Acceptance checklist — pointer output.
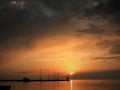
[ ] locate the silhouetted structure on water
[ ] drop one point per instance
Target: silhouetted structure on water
(5, 87)
(25, 79)
(67, 79)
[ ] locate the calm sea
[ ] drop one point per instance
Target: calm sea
(64, 85)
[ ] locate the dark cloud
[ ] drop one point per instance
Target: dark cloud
(92, 30)
(102, 11)
(115, 49)
(109, 10)
(17, 22)
(108, 74)
(112, 45)
(108, 58)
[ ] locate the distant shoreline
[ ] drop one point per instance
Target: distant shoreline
(51, 80)
(30, 80)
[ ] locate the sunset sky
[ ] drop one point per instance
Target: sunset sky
(69, 36)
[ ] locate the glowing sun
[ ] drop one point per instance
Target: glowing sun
(71, 73)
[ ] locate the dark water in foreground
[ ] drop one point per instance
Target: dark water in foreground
(64, 85)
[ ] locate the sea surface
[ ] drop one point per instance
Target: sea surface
(66, 85)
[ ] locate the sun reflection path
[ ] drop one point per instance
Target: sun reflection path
(71, 86)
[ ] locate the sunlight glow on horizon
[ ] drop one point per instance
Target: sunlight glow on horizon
(71, 73)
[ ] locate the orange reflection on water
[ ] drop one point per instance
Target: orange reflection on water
(71, 85)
